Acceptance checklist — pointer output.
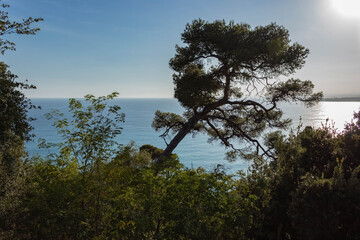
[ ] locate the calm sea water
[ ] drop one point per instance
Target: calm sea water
(193, 152)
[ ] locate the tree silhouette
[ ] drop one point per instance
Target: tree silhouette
(227, 77)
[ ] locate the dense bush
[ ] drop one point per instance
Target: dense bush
(94, 188)
(327, 208)
(308, 162)
(14, 131)
(131, 202)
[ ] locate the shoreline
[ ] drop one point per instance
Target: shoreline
(341, 99)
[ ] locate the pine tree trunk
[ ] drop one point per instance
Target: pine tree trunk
(178, 138)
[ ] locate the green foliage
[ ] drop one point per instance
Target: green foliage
(10, 27)
(253, 190)
(174, 121)
(350, 147)
(327, 208)
(128, 156)
(53, 201)
(72, 182)
(14, 128)
(218, 70)
(14, 106)
(118, 195)
(194, 205)
(131, 202)
(309, 184)
(12, 188)
(170, 162)
(94, 188)
(14, 123)
(294, 90)
(306, 193)
(193, 87)
(89, 137)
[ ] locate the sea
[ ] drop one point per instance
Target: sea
(194, 151)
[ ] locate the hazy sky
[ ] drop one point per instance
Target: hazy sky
(88, 46)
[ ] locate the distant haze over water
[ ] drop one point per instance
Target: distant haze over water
(193, 152)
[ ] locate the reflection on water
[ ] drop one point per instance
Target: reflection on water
(337, 112)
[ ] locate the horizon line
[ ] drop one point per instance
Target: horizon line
(95, 96)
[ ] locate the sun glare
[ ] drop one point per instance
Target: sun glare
(350, 8)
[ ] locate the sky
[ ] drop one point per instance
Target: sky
(98, 47)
